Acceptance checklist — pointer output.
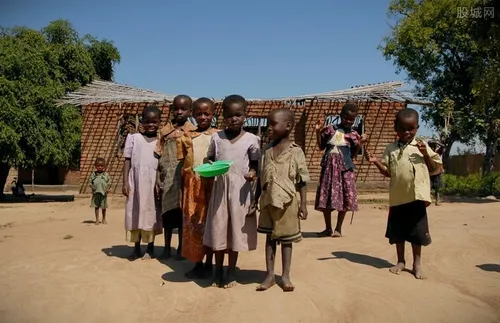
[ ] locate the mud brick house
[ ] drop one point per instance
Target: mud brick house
(111, 111)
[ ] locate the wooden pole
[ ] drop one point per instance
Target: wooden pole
(33, 181)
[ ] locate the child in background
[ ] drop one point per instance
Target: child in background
(169, 171)
(337, 183)
(142, 221)
(283, 173)
(408, 162)
(100, 183)
(196, 191)
(437, 175)
(232, 224)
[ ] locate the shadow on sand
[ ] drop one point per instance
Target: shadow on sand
(490, 267)
(37, 198)
(179, 268)
(360, 259)
(472, 200)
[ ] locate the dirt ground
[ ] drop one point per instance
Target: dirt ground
(86, 278)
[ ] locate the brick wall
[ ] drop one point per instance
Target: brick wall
(101, 127)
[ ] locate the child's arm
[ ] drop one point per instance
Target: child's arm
(359, 142)
(127, 154)
(254, 157)
(303, 200)
(302, 178)
(108, 184)
(381, 167)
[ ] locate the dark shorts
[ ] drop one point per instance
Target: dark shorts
(408, 222)
(172, 219)
(436, 182)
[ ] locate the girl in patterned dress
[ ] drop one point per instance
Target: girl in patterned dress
(337, 183)
(192, 150)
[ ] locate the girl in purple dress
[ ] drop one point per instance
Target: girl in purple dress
(337, 183)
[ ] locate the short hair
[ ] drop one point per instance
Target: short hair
(405, 113)
(349, 108)
(182, 96)
(203, 100)
(100, 160)
(151, 109)
(232, 99)
(287, 112)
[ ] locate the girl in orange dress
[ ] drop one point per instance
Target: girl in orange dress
(193, 148)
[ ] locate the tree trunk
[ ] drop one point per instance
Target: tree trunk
(448, 144)
(491, 147)
(4, 173)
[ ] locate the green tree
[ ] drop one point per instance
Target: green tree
(439, 50)
(37, 68)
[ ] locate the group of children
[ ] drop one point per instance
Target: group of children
(219, 216)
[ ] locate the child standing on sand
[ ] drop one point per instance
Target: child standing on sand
(337, 183)
(437, 175)
(284, 172)
(196, 191)
(100, 183)
(408, 162)
(169, 171)
(142, 220)
(231, 223)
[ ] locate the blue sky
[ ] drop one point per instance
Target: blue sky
(260, 49)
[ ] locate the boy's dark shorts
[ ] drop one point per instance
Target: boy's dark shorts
(172, 219)
(408, 222)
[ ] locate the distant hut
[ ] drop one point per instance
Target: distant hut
(111, 111)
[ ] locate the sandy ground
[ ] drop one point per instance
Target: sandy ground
(46, 278)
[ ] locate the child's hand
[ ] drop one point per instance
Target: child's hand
(363, 139)
(126, 189)
(422, 148)
(303, 211)
(251, 176)
(319, 124)
(253, 210)
(369, 157)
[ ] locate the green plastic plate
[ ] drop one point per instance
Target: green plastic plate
(217, 168)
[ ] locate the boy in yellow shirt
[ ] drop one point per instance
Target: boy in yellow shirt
(408, 162)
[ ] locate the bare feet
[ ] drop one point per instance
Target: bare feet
(336, 234)
(417, 272)
(104, 222)
(146, 256)
(400, 266)
(97, 222)
(287, 284)
(136, 254)
(325, 233)
(266, 284)
(218, 278)
(231, 280)
(167, 253)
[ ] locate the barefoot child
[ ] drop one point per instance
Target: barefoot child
(283, 173)
(407, 162)
(169, 171)
(142, 220)
(196, 191)
(337, 183)
(100, 183)
(231, 224)
(437, 175)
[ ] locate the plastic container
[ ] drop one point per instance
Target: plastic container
(217, 168)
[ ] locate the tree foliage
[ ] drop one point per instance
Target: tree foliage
(36, 68)
(453, 60)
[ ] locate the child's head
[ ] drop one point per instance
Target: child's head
(406, 124)
(181, 108)
(150, 120)
(281, 122)
(348, 115)
(436, 146)
(203, 112)
(234, 108)
(100, 164)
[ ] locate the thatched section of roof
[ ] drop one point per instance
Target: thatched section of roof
(109, 92)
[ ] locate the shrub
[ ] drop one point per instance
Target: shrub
(472, 185)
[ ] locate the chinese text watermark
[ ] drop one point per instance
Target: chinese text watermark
(476, 12)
